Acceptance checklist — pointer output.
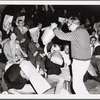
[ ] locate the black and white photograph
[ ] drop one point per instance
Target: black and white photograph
(49, 49)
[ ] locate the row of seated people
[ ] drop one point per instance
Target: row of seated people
(94, 72)
(17, 77)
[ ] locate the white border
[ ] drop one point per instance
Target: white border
(46, 96)
(19, 2)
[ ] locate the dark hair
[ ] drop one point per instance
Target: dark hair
(12, 32)
(63, 46)
(74, 20)
(20, 21)
(93, 37)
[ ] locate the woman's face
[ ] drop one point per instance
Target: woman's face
(13, 37)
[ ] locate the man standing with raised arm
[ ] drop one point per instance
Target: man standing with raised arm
(80, 50)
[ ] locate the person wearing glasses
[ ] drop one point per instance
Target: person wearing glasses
(80, 51)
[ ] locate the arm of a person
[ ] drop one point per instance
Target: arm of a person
(4, 41)
(23, 53)
(6, 50)
(64, 36)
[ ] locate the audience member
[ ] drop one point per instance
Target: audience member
(54, 70)
(21, 31)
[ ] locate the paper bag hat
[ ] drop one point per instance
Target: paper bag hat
(7, 20)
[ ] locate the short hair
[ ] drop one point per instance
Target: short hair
(12, 32)
(74, 20)
(20, 21)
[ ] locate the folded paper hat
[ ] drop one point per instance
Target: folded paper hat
(61, 19)
(33, 30)
(7, 20)
(20, 18)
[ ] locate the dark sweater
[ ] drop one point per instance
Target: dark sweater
(53, 68)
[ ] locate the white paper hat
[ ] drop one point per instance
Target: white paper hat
(7, 19)
(34, 31)
(20, 18)
(61, 19)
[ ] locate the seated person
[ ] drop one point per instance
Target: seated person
(67, 61)
(15, 55)
(93, 43)
(54, 70)
(16, 80)
(95, 60)
(35, 53)
(3, 60)
(21, 32)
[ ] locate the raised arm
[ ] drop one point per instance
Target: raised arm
(64, 36)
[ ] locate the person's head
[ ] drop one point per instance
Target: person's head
(13, 36)
(93, 40)
(20, 23)
(73, 23)
(39, 25)
(55, 47)
(35, 38)
(66, 48)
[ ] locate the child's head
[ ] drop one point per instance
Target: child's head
(55, 47)
(35, 38)
(39, 25)
(66, 48)
(20, 23)
(93, 40)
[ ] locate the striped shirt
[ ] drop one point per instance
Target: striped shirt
(80, 42)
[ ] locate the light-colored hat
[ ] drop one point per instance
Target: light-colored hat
(20, 18)
(61, 19)
(7, 20)
(34, 31)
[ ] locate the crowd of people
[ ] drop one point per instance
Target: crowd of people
(55, 48)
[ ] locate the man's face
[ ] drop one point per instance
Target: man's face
(21, 23)
(92, 41)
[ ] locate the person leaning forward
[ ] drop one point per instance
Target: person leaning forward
(80, 50)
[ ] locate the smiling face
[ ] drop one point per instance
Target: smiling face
(20, 23)
(93, 40)
(66, 49)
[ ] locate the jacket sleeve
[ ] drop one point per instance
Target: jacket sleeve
(65, 36)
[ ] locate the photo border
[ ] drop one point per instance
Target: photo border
(52, 2)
